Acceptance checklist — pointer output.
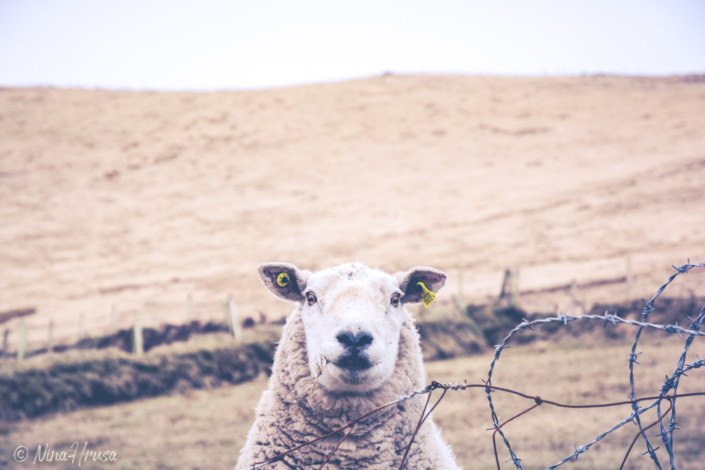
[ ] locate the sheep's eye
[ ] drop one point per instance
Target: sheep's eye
(395, 300)
(311, 297)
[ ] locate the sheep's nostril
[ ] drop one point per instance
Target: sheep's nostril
(355, 341)
(364, 340)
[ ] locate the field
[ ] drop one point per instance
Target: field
(206, 429)
(117, 205)
(136, 200)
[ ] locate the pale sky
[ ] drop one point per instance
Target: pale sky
(217, 44)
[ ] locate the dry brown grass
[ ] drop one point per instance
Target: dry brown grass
(206, 429)
(126, 198)
(573, 376)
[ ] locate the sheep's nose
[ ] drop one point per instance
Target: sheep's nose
(351, 340)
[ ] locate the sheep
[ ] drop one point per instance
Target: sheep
(349, 346)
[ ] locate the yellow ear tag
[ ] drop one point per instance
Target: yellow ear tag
(427, 296)
(283, 280)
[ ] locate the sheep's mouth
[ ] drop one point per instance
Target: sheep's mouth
(353, 363)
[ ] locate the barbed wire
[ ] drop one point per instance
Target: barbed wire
(667, 436)
(671, 384)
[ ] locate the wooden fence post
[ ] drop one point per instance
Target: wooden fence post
(460, 286)
(137, 333)
(4, 342)
(504, 292)
(233, 320)
(573, 296)
(80, 326)
(113, 319)
(226, 312)
(515, 287)
(629, 278)
(50, 339)
(22, 346)
(509, 295)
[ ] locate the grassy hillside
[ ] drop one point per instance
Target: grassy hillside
(138, 199)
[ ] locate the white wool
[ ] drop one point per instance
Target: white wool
(309, 395)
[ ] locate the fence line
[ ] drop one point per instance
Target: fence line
(103, 322)
(671, 384)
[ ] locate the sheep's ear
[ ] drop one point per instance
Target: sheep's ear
(284, 280)
(432, 280)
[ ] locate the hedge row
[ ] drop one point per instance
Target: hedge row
(78, 378)
(83, 381)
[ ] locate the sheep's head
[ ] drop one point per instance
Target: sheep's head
(352, 316)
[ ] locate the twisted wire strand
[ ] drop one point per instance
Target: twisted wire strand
(648, 308)
(666, 436)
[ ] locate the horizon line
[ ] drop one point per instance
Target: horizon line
(147, 89)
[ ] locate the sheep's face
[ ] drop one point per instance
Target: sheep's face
(352, 316)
